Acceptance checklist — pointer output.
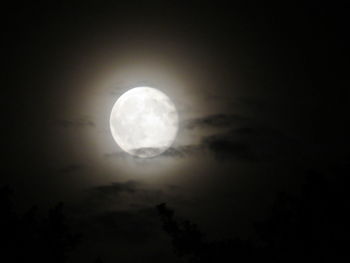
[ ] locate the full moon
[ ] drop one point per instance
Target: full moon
(144, 122)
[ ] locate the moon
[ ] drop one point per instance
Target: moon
(144, 122)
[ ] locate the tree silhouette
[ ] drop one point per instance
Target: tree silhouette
(306, 227)
(189, 243)
(30, 238)
(309, 226)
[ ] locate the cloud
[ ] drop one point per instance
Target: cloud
(181, 151)
(216, 121)
(225, 146)
(234, 138)
(252, 144)
(147, 151)
(238, 137)
(137, 153)
(111, 192)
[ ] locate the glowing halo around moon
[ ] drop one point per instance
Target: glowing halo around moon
(144, 122)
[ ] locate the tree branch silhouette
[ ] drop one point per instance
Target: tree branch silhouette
(27, 237)
(305, 227)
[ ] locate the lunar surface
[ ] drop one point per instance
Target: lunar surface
(144, 122)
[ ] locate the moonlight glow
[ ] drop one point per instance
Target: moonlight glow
(144, 122)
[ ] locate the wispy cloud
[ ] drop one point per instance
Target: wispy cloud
(252, 144)
(226, 146)
(112, 191)
(234, 137)
(216, 121)
(181, 151)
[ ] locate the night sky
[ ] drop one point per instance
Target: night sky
(262, 93)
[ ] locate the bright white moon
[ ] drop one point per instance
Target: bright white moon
(144, 122)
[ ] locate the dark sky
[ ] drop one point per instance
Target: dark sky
(261, 91)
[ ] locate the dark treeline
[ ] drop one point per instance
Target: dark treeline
(309, 226)
(28, 237)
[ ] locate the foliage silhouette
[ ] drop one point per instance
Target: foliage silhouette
(189, 243)
(306, 227)
(30, 238)
(310, 226)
